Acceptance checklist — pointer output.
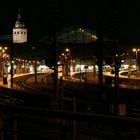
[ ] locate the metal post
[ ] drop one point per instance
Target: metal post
(80, 71)
(116, 107)
(61, 85)
(11, 61)
(55, 69)
(15, 129)
(100, 54)
(137, 66)
(35, 64)
(11, 74)
(116, 80)
(1, 126)
(74, 129)
(35, 68)
(129, 68)
(69, 63)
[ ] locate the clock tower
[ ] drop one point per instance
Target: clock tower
(19, 31)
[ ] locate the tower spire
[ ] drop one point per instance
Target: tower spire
(19, 22)
(19, 15)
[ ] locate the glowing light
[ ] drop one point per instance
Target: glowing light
(67, 50)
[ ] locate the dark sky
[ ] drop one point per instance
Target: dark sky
(41, 16)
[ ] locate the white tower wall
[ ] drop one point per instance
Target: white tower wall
(19, 35)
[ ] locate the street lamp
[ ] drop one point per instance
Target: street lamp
(65, 59)
(4, 68)
(35, 64)
(62, 63)
(136, 50)
(68, 60)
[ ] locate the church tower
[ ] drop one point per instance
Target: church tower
(19, 31)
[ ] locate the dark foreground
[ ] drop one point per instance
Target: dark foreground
(20, 123)
(80, 112)
(82, 117)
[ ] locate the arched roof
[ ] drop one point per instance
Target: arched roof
(76, 35)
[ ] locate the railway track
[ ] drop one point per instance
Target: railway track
(25, 93)
(83, 129)
(87, 94)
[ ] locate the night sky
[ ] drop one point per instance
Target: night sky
(41, 16)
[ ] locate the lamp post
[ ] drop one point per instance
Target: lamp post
(136, 50)
(35, 65)
(63, 66)
(4, 69)
(11, 65)
(68, 60)
(129, 67)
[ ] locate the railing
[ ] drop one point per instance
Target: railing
(20, 123)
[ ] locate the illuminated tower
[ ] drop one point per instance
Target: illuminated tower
(19, 31)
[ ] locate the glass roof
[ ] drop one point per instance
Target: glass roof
(77, 35)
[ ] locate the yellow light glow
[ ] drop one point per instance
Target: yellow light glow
(134, 50)
(82, 31)
(67, 50)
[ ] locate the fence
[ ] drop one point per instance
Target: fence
(20, 123)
